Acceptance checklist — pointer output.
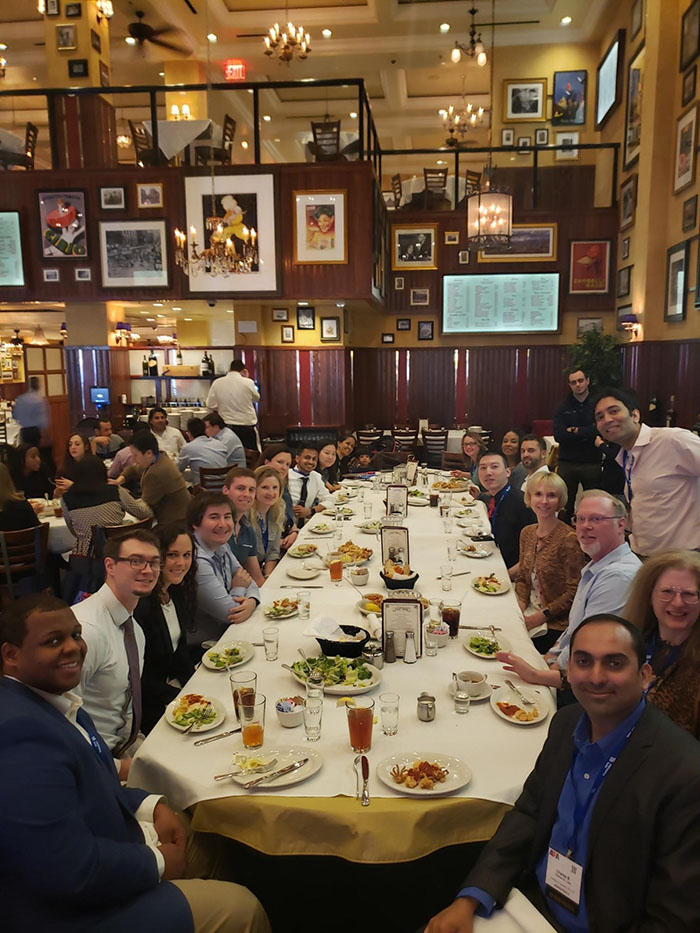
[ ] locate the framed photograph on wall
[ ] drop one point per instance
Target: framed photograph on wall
(134, 254)
(52, 8)
(149, 195)
(624, 282)
(686, 141)
(320, 227)
(65, 38)
(633, 114)
(524, 101)
(420, 296)
(524, 142)
(637, 18)
(426, 330)
(584, 324)
(569, 97)
(330, 328)
(72, 10)
(628, 201)
(451, 237)
(95, 40)
(287, 333)
(77, 68)
(387, 338)
(414, 247)
(690, 34)
(463, 257)
(398, 283)
(542, 137)
(403, 323)
(608, 85)
(104, 74)
(63, 224)
(589, 267)
(306, 317)
(689, 85)
(625, 248)
(528, 243)
(83, 274)
(569, 141)
(508, 136)
(51, 275)
(690, 213)
(113, 198)
(676, 281)
(280, 314)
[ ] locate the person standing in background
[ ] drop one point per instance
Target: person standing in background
(234, 396)
(31, 411)
(575, 432)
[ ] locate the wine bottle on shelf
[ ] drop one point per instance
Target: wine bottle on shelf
(671, 417)
(211, 365)
(152, 364)
(204, 365)
(144, 365)
(178, 356)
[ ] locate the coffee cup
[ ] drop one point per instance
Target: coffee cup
(471, 682)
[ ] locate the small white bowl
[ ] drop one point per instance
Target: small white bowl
(290, 719)
(359, 576)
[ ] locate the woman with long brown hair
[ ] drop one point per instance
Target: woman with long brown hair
(665, 604)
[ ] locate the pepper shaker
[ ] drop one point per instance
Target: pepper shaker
(389, 648)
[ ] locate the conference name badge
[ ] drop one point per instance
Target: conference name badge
(563, 880)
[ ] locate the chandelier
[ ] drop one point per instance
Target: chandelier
(3, 66)
(224, 255)
(287, 42)
(474, 48)
(458, 121)
(489, 207)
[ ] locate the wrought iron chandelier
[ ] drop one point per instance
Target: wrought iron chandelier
(459, 120)
(474, 48)
(287, 42)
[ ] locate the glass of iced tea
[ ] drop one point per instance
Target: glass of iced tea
(243, 687)
(360, 720)
(450, 615)
(335, 566)
(252, 716)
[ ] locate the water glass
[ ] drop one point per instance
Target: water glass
(462, 701)
(446, 574)
(452, 551)
(430, 641)
(338, 530)
(252, 717)
(271, 638)
(244, 685)
(435, 610)
(314, 685)
(304, 604)
(447, 523)
(313, 714)
(361, 494)
(389, 708)
(368, 511)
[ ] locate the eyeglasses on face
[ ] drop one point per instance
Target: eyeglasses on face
(140, 563)
(593, 519)
(668, 593)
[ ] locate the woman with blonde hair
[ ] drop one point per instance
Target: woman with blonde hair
(550, 563)
(267, 517)
(664, 603)
(473, 446)
(15, 512)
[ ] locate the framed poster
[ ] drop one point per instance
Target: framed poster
(624, 282)
(589, 267)
(65, 38)
(403, 323)
(420, 296)
(400, 616)
(133, 253)
(63, 224)
(414, 247)
(633, 114)
(52, 8)
(529, 243)
(11, 266)
(243, 203)
(149, 195)
(628, 201)
(426, 330)
(72, 10)
(287, 335)
(95, 40)
(330, 328)
(306, 317)
(320, 227)
(397, 500)
(686, 141)
(524, 101)
(394, 541)
(676, 281)
(77, 68)
(689, 85)
(104, 74)
(690, 34)
(608, 85)
(690, 213)
(569, 97)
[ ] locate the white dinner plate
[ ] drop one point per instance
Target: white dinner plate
(457, 486)
(287, 614)
(365, 612)
(344, 510)
(321, 529)
(484, 694)
(284, 758)
(302, 572)
(503, 644)
(506, 695)
(459, 773)
(294, 552)
(418, 500)
(352, 482)
(504, 587)
(217, 706)
(347, 690)
(478, 553)
(246, 649)
(370, 528)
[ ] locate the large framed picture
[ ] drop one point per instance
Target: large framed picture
(586, 324)
(63, 224)
(65, 38)
(633, 115)
(589, 267)
(686, 141)
(414, 247)
(320, 227)
(676, 281)
(608, 92)
(569, 98)
(528, 243)
(690, 34)
(628, 201)
(133, 254)
(244, 203)
(306, 317)
(524, 101)
(11, 266)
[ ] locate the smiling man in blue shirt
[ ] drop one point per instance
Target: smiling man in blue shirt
(605, 836)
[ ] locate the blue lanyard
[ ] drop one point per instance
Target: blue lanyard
(626, 456)
(581, 809)
(497, 505)
(265, 532)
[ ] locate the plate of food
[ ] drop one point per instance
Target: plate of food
(342, 676)
(467, 500)
(472, 550)
(450, 485)
(491, 585)
(352, 483)
(231, 655)
(282, 608)
(353, 555)
(417, 497)
(370, 603)
(323, 528)
(509, 706)
(485, 645)
(302, 571)
(303, 550)
(424, 774)
(370, 528)
(202, 713)
(247, 767)
(343, 510)
(463, 513)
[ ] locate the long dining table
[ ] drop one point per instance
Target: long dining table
(321, 815)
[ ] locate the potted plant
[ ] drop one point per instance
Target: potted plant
(599, 356)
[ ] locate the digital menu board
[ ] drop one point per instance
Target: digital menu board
(500, 304)
(11, 270)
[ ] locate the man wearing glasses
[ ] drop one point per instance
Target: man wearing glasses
(600, 521)
(111, 678)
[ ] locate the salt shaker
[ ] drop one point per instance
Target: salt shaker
(389, 648)
(409, 651)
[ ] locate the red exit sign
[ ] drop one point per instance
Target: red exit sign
(234, 69)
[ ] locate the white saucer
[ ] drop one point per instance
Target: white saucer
(486, 691)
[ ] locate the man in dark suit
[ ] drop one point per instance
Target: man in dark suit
(79, 852)
(605, 836)
(506, 507)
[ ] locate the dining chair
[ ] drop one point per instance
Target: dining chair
(143, 146)
(451, 460)
(435, 180)
(397, 189)
(251, 457)
(326, 143)
(23, 561)
(22, 159)
(211, 479)
(473, 180)
(223, 154)
(434, 444)
(369, 437)
(405, 437)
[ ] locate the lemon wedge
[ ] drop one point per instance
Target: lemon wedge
(345, 701)
(372, 607)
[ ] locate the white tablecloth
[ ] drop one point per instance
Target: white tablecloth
(175, 135)
(305, 140)
(416, 185)
(10, 142)
(500, 754)
(61, 541)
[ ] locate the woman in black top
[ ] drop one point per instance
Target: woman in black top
(164, 616)
(77, 447)
(29, 474)
(15, 512)
(344, 449)
(328, 466)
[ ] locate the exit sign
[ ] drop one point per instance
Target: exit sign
(234, 69)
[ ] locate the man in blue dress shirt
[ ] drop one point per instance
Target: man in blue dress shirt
(605, 836)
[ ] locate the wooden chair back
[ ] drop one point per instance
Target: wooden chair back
(251, 457)
(368, 437)
(405, 438)
(434, 444)
(228, 133)
(473, 180)
(451, 460)
(143, 147)
(326, 145)
(30, 137)
(435, 179)
(211, 479)
(397, 189)
(22, 553)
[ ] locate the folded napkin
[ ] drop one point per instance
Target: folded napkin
(328, 628)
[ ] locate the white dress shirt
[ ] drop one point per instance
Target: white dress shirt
(104, 685)
(233, 396)
(170, 441)
(543, 469)
(315, 488)
(663, 469)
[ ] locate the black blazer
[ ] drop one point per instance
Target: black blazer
(16, 515)
(513, 515)
(643, 863)
(160, 662)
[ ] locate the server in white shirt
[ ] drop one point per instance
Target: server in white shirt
(215, 427)
(306, 486)
(111, 679)
(170, 440)
(234, 396)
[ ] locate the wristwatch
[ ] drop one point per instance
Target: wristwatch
(547, 613)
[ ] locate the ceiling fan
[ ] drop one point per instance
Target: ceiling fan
(142, 32)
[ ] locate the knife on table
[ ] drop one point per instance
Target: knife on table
(295, 765)
(221, 735)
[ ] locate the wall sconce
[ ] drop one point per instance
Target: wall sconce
(122, 333)
(630, 323)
